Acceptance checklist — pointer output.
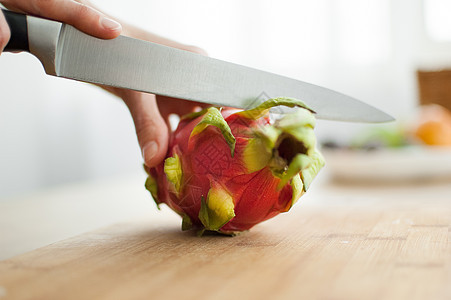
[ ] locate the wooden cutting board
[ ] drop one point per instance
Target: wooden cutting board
(376, 244)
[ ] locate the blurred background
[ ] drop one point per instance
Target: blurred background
(55, 131)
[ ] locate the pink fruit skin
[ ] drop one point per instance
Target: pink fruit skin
(207, 156)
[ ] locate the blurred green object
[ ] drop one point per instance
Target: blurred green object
(389, 136)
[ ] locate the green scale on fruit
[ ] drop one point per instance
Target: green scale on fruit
(228, 170)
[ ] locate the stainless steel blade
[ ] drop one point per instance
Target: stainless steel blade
(144, 66)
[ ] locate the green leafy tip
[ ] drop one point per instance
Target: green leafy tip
(194, 115)
(152, 186)
(262, 109)
(174, 173)
(187, 224)
(317, 162)
(217, 209)
(214, 117)
(298, 189)
(297, 164)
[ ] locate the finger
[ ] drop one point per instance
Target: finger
(4, 32)
(151, 129)
(12, 7)
(138, 33)
(81, 16)
(169, 105)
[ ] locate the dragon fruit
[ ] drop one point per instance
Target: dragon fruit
(227, 170)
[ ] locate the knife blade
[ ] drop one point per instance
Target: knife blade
(148, 67)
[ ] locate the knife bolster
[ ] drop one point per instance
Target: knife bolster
(43, 37)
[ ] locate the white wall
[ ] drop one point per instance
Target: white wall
(55, 131)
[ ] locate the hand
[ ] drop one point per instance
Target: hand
(150, 113)
(76, 13)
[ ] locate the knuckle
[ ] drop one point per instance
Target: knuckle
(145, 126)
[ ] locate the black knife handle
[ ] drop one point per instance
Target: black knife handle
(19, 31)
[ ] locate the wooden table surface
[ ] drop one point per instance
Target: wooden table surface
(338, 242)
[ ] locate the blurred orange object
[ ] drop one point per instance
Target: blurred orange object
(433, 126)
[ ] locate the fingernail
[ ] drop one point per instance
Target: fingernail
(149, 151)
(110, 24)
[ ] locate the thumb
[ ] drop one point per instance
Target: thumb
(151, 129)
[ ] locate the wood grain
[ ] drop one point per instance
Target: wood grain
(364, 244)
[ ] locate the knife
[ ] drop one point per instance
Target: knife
(148, 67)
